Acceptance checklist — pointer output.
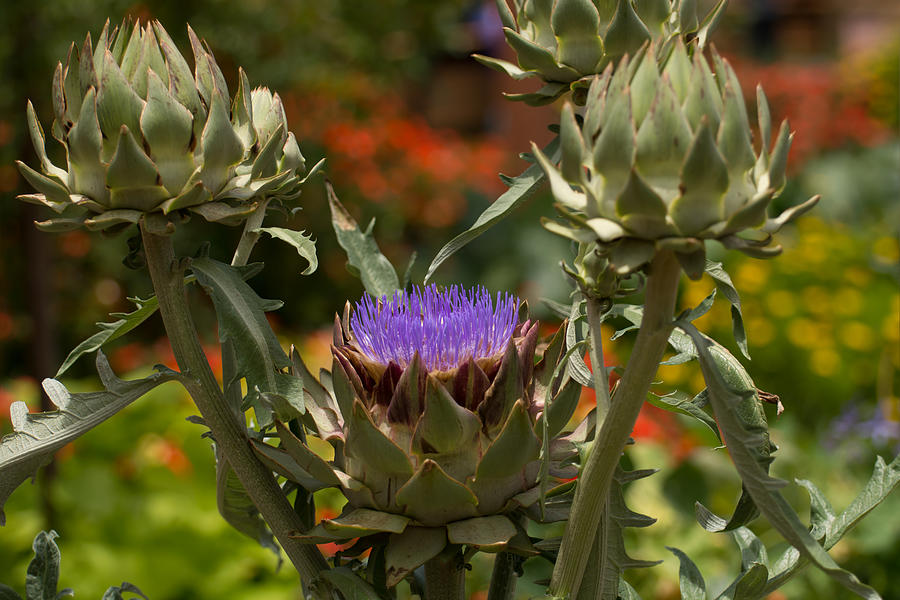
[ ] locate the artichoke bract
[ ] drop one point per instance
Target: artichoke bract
(564, 41)
(663, 159)
(437, 422)
(143, 134)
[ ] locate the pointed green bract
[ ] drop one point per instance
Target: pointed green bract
(565, 42)
(671, 163)
(182, 128)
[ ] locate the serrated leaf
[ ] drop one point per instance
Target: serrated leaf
(304, 244)
(116, 329)
(884, 480)
(37, 436)
(520, 188)
(364, 257)
(42, 575)
(685, 405)
(116, 592)
(242, 319)
(726, 287)
(7, 593)
(743, 448)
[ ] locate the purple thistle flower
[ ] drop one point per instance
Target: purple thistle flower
(446, 327)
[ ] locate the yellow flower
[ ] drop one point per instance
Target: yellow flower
(780, 303)
(751, 276)
(802, 333)
(760, 331)
(857, 336)
(824, 361)
(848, 301)
(817, 301)
(857, 276)
(886, 250)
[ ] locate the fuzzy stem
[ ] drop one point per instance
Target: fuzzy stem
(504, 577)
(601, 377)
(445, 578)
(229, 433)
(594, 482)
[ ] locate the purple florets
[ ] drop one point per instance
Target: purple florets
(446, 327)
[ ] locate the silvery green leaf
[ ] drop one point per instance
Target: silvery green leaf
(521, 187)
(884, 480)
(261, 360)
(117, 592)
(686, 405)
(364, 258)
(726, 286)
(110, 331)
(42, 576)
(37, 436)
(304, 244)
(743, 446)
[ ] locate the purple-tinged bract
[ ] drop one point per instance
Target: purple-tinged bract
(446, 327)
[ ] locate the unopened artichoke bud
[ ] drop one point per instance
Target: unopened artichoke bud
(594, 275)
(436, 417)
(664, 159)
(565, 41)
(144, 134)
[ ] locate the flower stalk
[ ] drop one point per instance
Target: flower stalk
(230, 435)
(595, 480)
(504, 577)
(445, 577)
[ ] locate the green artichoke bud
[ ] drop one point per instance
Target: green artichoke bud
(437, 420)
(144, 135)
(565, 41)
(663, 159)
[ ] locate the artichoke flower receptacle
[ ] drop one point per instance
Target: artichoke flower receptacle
(564, 42)
(143, 134)
(436, 397)
(663, 159)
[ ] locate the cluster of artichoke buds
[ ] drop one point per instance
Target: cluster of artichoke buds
(664, 159)
(565, 41)
(145, 136)
(436, 412)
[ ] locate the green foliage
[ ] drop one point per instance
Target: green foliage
(36, 437)
(364, 259)
(520, 188)
(42, 576)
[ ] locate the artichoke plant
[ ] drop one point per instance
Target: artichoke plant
(437, 419)
(664, 159)
(565, 41)
(144, 135)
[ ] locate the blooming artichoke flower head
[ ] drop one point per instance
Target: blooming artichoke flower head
(144, 134)
(435, 396)
(664, 159)
(563, 42)
(442, 374)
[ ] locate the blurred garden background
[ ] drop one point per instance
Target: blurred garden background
(415, 132)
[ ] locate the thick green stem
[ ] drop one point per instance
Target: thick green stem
(445, 577)
(601, 378)
(595, 479)
(504, 577)
(230, 434)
